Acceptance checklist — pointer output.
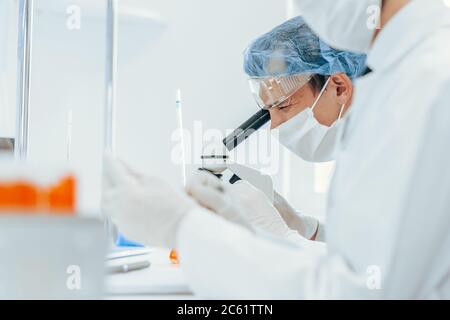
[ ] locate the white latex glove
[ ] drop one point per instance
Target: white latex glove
(144, 208)
(260, 211)
(215, 195)
(240, 203)
(307, 226)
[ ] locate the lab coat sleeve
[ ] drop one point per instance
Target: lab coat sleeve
(320, 235)
(314, 227)
(307, 226)
(294, 239)
(225, 261)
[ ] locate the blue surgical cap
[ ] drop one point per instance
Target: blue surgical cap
(292, 48)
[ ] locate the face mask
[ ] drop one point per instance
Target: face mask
(344, 24)
(309, 139)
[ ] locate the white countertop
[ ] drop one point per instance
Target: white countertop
(162, 280)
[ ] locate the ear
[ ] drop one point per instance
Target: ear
(343, 88)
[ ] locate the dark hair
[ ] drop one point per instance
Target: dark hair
(317, 82)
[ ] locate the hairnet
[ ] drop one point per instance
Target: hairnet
(292, 48)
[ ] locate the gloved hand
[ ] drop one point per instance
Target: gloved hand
(305, 225)
(240, 203)
(213, 194)
(144, 208)
(260, 211)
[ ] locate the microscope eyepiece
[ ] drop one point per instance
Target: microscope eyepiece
(246, 129)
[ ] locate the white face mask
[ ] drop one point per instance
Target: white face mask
(309, 139)
(343, 24)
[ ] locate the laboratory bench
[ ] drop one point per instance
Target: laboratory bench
(162, 280)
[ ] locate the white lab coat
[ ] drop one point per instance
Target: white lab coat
(388, 227)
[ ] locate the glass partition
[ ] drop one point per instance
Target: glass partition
(68, 92)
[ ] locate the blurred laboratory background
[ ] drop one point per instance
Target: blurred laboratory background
(163, 46)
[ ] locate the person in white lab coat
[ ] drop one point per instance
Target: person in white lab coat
(388, 218)
(307, 87)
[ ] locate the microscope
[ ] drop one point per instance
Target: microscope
(218, 161)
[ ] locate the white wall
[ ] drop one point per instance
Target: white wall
(198, 48)
(68, 74)
(200, 51)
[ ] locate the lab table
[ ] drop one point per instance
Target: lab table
(162, 280)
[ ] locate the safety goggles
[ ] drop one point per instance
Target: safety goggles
(272, 91)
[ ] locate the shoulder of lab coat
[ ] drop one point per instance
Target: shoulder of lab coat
(397, 215)
(423, 239)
